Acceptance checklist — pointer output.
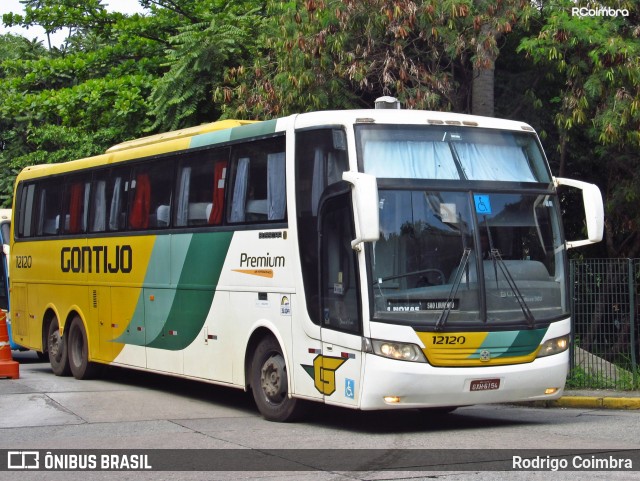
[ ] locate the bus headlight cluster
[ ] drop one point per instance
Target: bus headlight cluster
(554, 346)
(398, 350)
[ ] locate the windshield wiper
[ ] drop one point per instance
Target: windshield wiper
(444, 315)
(494, 255)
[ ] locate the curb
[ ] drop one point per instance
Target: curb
(592, 402)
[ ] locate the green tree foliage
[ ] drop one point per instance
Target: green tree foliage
(116, 77)
(595, 61)
(344, 53)
(77, 99)
(219, 37)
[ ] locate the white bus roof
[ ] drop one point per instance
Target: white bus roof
(401, 116)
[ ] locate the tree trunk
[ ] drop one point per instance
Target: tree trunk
(482, 91)
(483, 73)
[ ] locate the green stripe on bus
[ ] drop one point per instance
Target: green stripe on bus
(254, 130)
(202, 267)
(510, 343)
(210, 138)
(525, 342)
(235, 133)
(173, 317)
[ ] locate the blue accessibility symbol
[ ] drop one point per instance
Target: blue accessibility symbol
(349, 388)
(483, 203)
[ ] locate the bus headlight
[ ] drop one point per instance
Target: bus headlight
(398, 350)
(554, 346)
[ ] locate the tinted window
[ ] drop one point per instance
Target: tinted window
(200, 189)
(258, 182)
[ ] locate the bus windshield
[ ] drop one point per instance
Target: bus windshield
(463, 256)
(450, 153)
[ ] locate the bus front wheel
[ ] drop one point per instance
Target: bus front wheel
(57, 349)
(270, 384)
(78, 348)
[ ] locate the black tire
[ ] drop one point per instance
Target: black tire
(78, 350)
(269, 384)
(57, 349)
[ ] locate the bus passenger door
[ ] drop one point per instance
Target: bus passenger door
(339, 376)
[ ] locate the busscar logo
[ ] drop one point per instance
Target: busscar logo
(23, 460)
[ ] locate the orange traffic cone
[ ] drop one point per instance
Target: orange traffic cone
(8, 367)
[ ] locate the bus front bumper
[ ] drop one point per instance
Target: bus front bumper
(392, 384)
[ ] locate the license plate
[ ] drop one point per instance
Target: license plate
(485, 385)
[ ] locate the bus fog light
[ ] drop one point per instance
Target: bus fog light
(392, 399)
(554, 346)
(398, 350)
(551, 390)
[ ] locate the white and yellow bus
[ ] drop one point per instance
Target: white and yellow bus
(372, 259)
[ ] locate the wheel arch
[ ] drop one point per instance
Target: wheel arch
(260, 333)
(49, 313)
(74, 312)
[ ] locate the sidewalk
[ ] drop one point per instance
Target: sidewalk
(595, 399)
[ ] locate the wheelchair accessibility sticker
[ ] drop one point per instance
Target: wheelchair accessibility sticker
(349, 388)
(483, 203)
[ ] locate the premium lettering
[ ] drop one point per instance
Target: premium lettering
(97, 259)
(261, 261)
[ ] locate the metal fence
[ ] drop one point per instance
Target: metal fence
(605, 311)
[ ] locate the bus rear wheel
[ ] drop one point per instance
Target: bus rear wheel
(57, 349)
(270, 384)
(78, 348)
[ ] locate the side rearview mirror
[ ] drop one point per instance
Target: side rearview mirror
(593, 210)
(365, 190)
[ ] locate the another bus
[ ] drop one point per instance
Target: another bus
(5, 230)
(372, 259)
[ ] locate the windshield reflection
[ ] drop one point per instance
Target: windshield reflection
(467, 257)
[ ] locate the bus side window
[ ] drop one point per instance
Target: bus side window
(141, 205)
(76, 201)
(276, 186)
(320, 162)
(99, 203)
(258, 192)
(339, 296)
(200, 190)
(219, 179)
(25, 218)
(109, 200)
(49, 209)
(239, 194)
(151, 204)
(119, 182)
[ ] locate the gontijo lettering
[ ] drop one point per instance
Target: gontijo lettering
(97, 259)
